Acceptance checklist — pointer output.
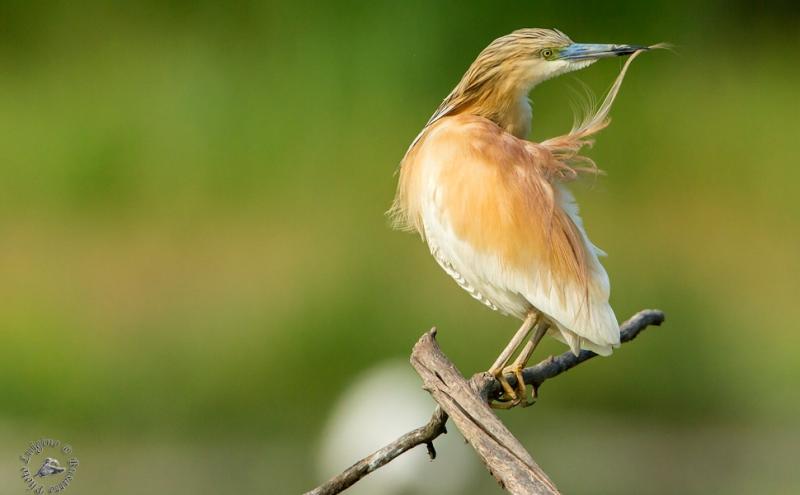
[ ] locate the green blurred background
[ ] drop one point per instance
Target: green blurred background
(195, 262)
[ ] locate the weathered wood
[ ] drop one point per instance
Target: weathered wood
(505, 457)
(486, 386)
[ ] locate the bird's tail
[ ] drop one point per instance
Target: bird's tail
(566, 148)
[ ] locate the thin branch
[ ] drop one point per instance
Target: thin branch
(554, 366)
(422, 435)
(536, 375)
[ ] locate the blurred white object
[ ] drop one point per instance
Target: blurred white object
(383, 403)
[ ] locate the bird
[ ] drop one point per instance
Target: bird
(50, 466)
(494, 207)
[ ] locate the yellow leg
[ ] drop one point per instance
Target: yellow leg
(522, 360)
(502, 360)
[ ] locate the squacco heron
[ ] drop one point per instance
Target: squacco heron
(494, 208)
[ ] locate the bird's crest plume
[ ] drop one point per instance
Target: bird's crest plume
(565, 148)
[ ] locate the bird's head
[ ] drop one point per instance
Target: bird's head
(497, 83)
(529, 56)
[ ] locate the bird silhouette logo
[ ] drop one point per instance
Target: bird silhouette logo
(49, 467)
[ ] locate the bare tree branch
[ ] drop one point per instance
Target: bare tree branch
(554, 366)
(424, 434)
(536, 375)
(466, 404)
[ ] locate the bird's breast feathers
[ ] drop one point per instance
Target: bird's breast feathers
(498, 221)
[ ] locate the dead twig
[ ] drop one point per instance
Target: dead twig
(505, 457)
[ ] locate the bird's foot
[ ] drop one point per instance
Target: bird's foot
(514, 396)
(522, 387)
(509, 398)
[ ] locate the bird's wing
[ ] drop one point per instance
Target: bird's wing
(493, 210)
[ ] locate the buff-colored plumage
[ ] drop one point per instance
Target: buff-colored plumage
(494, 207)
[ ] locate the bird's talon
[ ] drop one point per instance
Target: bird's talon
(534, 397)
(509, 394)
(502, 403)
(521, 391)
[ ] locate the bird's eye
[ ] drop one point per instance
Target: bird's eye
(547, 53)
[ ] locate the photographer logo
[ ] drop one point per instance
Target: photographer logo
(41, 470)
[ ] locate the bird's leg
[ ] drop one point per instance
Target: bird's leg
(522, 359)
(497, 368)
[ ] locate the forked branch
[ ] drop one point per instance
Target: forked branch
(466, 401)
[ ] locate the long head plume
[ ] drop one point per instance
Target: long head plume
(565, 148)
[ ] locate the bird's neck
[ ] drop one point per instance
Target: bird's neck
(501, 98)
(512, 112)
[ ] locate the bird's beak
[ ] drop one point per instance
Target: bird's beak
(590, 51)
